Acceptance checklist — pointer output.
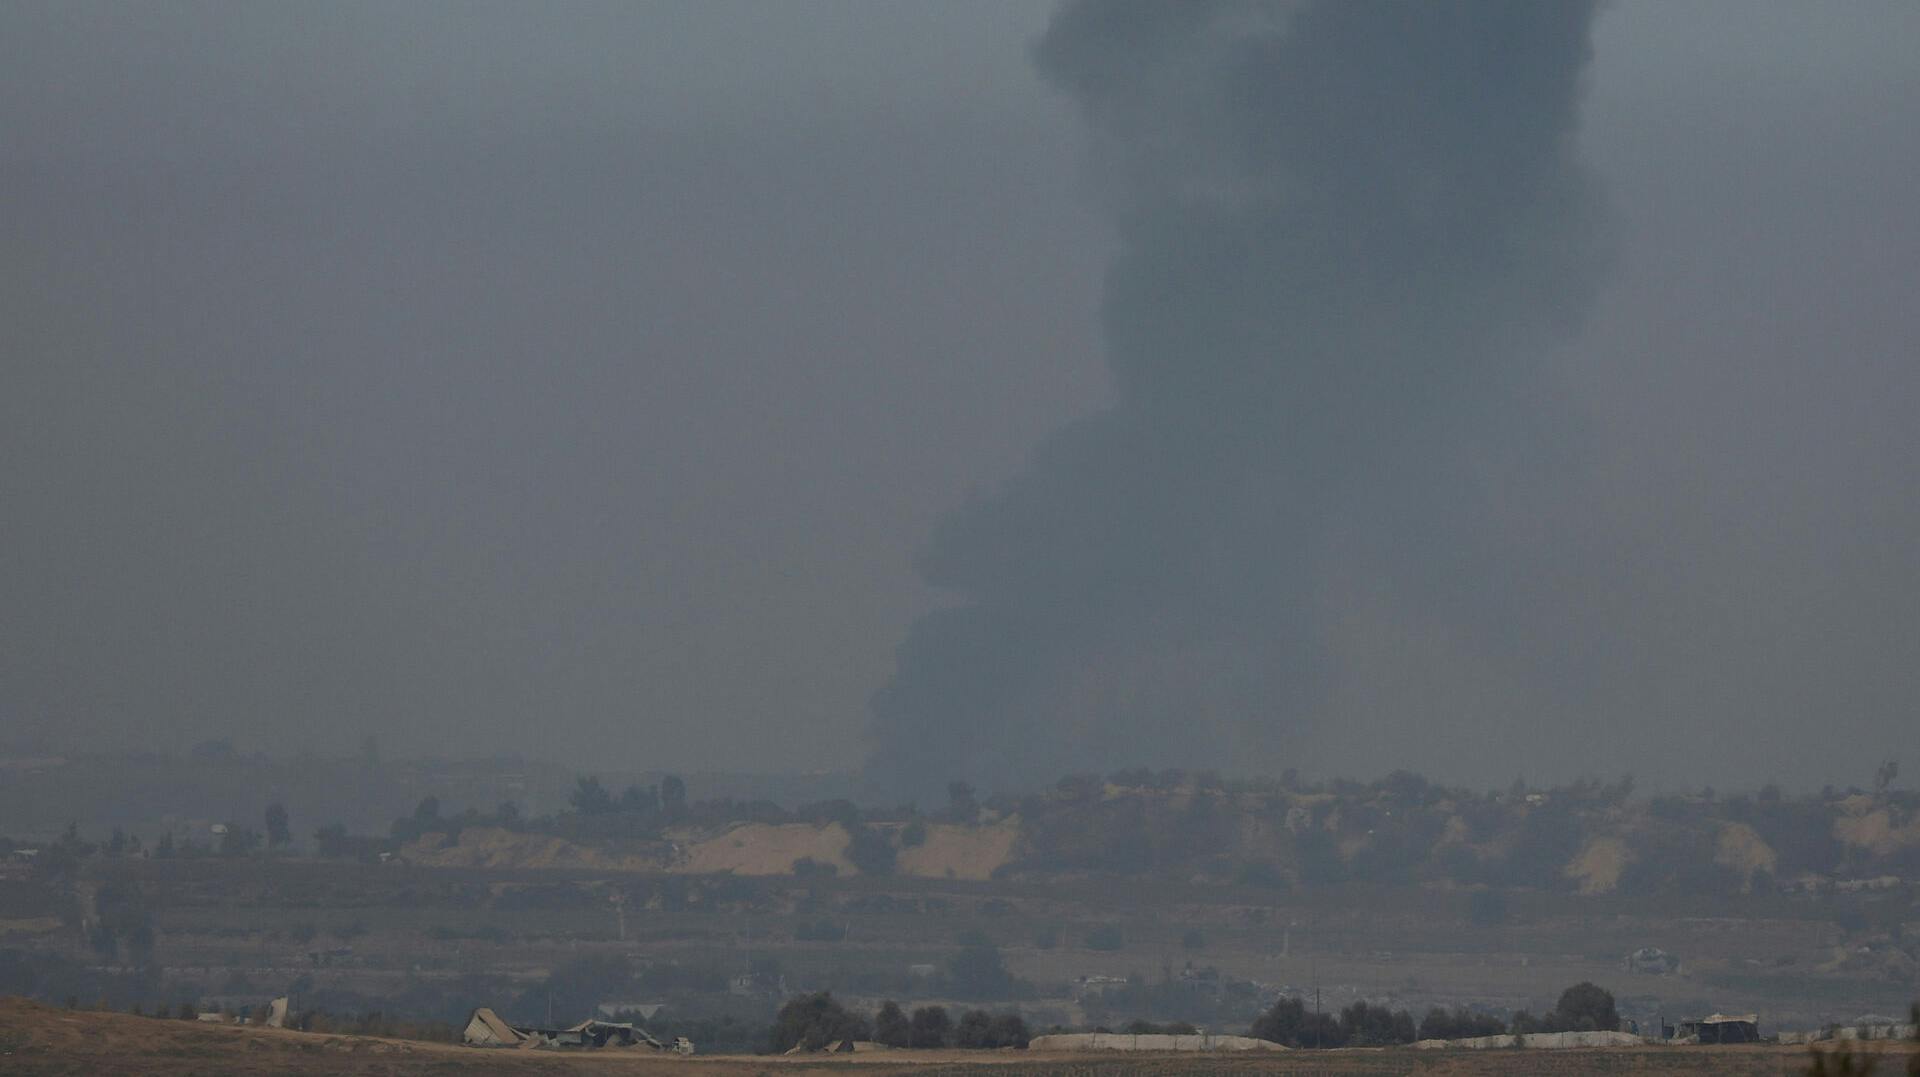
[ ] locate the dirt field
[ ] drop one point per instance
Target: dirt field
(37, 1039)
(751, 849)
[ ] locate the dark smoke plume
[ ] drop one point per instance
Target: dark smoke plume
(1347, 233)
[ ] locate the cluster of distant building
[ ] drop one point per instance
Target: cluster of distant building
(1715, 1028)
(485, 1028)
(233, 1010)
(1866, 1027)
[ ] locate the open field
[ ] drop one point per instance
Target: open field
(1147, 900)
(458, 937)
(38, 1039)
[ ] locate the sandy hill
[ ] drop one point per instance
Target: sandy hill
(948, 851)
(961, 852)
(491, 847)
(768, 849)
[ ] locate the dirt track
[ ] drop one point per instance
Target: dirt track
(37, 1039)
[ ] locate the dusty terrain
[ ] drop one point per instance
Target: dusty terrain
(948, 852)
(1088, 908)
(39, 1039)
(352, 937)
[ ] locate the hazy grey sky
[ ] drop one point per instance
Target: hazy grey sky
(489, 377)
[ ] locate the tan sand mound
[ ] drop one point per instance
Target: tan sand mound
(1597, 869)
(490, 847)
(1743, 851)
(768, 849)
(1875, 831)
(961, 852)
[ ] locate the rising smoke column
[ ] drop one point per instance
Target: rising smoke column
(1347, 230)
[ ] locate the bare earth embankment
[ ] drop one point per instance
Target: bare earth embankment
(37, 1039)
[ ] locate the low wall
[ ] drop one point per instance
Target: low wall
(1546, 1040)
(1122, 1041)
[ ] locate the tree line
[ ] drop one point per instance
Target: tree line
(813, 1022)
(1584, 1007)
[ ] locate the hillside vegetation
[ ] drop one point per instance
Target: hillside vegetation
(1588, 838)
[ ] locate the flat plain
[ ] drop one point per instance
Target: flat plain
(36, 1039)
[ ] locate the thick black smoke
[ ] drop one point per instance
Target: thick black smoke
(1347, 231)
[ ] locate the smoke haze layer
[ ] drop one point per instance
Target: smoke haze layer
(1347, 232)
(492, 378)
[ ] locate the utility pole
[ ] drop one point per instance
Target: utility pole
(1313, 971)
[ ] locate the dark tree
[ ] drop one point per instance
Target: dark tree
(1291, 1024)
(1459, 1024)
(72, 846)
(840, 810)
(813, 1021)
(1365, 1025)
(1010, 1030)
(979, 1030)
(974, 1031)
(870, 851)
(1584, 1007)
(673, 797)
(962, 806)
(891, 1027)
(428, 810)
(277, 832)
(163, 849)
(589, 797)
(931, 1026)
(977, 971)
(640, 800)
(1884, 776)
(1913, 1060)
(914, 834)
